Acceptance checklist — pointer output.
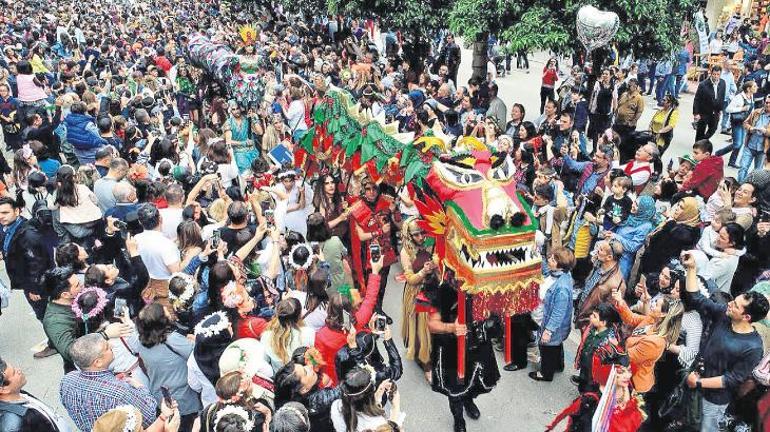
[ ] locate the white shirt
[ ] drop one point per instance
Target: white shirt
(157, 252)
(199, 383)
(171, 218)
(296, 116)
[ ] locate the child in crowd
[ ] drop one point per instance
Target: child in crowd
(617, 206)
(707, 174)
(708, 240)
(717, 200)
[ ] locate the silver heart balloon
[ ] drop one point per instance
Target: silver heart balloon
(596, 28)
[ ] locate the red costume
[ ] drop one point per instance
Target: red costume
(328, 341)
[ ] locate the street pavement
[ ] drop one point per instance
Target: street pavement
(517, 404)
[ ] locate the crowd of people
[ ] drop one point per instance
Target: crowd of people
(191, 282)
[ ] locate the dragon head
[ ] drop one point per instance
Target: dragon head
(488, 231)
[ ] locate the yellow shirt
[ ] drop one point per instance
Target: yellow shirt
(659, 119)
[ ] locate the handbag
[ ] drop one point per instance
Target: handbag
(762, 371)
(683, 403)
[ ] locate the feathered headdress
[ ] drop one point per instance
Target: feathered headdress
(248, 34)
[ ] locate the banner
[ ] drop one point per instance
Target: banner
(703, 37)
(601, 419)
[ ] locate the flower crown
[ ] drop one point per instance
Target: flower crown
(101, 302)
(236, 410)
(131, 420)
(230, 296)
(370, 384)
(189, 288)
(297, 266)
(213, 329)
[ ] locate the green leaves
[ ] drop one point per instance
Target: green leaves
(650, 28)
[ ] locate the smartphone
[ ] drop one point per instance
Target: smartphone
(270, 217)
(643, 280)
(346, 323)
(375, 251)
(166, 396)
(216, 238)
(119, 311)
(380, 322)
(120, 225)
(764, 216)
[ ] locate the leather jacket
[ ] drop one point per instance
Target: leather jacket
(366, 353)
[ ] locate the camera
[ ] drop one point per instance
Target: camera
(120, 225)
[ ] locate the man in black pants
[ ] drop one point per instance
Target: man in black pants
(708, 103)
(26, 258)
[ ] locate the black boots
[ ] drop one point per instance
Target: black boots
(471, 409)
(456, 406)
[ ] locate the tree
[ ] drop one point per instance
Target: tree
(415, 19)
(648, 28)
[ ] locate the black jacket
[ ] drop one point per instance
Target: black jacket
(368, 354)
(705, 103)
(27, 259)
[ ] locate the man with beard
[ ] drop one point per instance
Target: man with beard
(374, 218)
(593, 174)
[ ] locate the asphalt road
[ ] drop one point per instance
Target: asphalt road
(517, 404)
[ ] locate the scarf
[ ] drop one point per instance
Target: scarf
(9, 233)
(645, 213)
(690, 215)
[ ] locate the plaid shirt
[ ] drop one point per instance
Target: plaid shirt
(87, 395)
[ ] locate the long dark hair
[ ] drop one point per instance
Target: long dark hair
(358, 391)
(153, 325)
(320, 200)
(66, 189)
(316, 290)
(165, 149)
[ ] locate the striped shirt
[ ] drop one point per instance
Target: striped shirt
(87, 395)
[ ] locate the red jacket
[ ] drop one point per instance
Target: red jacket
(328, 341)
(705, 177)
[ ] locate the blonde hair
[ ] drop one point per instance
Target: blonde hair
(671, 325)
(283, 324)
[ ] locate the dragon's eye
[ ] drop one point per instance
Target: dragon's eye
(460, 176)
(504, 172)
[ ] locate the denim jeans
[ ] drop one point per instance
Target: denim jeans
(665, 87)
(725, 117)
(749, 158)
(677, 86)
(711, 415)
(734, 148)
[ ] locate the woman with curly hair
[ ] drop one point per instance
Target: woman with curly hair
(418, 266)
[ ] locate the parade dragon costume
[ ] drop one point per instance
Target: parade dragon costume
(484, 231)
(239, 73)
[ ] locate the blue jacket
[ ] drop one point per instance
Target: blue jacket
(632, 239)
(83, 134)
(557, 309)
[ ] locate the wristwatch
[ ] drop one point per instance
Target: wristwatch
(698, 385)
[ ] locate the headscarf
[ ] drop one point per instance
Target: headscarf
(645, 213)
(690, 214)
